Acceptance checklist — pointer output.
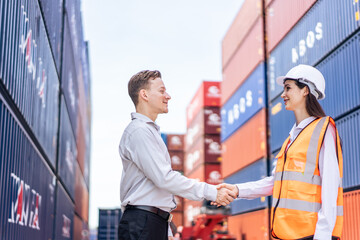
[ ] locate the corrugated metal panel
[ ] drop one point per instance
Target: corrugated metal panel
(67, 151)
(81, 195)
(351, 215)
(53, 12)
(64, 215)
(206, 150)
(175, 142)
(81, 150)
(248, 99)
(208, 95)
(27, 185)
(254, 225)
(244, 61)
(28, 70)
(253, 172)
(108, 223)
(281, 122)
(349, 129)
(245, 146)
(207, 121)
(69, 83)
(282, 15)
(313, 37)
(177, 160)
(207, 172)
(342, 73)
(250, 10)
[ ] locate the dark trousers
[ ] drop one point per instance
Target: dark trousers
(138, 224)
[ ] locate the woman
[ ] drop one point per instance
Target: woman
(306, 182)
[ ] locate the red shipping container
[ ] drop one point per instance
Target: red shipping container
(207, 149)
(351, 228)
(81, 229)
(244, 61)
(245, 146)
(208, 94)
(282, 15)
(207, 172)
(253, 225)
(177, 160)
(175, 142)
(179, 204)
(81, 196)
(191, 210)
(207, 121)
(244, 21)
(178, 218)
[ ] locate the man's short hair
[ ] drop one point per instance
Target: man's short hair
(141, 81)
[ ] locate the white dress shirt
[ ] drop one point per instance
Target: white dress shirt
(147, 177)
(330, 176)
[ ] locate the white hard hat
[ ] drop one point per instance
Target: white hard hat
(308, 75)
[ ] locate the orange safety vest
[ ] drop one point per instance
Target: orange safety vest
(297, 185)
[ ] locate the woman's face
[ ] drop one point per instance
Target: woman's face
(294, 97)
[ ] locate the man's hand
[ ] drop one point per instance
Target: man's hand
(224, 195)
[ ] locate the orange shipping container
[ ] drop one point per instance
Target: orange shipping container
(175, 142)
(351, 229)
(244, 61)
(244, 20)
(81, 196)
(178, 218)
(177, 160)
(282, 15)
(253, 225)
(245, 146)
(208, 95)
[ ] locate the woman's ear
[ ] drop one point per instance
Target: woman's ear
(306, 91)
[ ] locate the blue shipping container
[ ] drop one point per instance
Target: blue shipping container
(341, 70)
(281, 122)
(67, 151)
(69, 82)
(253, 172)
(164, 138)
(324, 26)
(64, 223)
(244, 103)
(53, 13)
(108, 223)
(28, 70)
(349, 132)
(27, 191)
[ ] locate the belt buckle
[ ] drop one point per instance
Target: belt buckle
(170, 217)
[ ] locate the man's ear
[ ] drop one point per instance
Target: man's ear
(143, 95)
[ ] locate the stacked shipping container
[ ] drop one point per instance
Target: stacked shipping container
(202, 142)
(295, 32)
(45, 100)
(175, 146)
(108, 224)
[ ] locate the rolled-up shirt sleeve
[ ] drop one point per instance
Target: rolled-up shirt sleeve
(156, 166)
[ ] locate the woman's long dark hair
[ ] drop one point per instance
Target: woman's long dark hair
(313, 107)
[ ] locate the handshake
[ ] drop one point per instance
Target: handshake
(226, 194)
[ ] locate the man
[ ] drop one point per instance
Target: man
(148, 183)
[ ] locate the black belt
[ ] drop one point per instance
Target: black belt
(165, 215)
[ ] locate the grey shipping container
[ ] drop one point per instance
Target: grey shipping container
(64, 223)
(67, 151)
(108, 223)
(53, 14)
(313, 37)
(253, 172)
(28, 70)
(27, 196)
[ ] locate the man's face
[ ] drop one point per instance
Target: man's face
(158, 98)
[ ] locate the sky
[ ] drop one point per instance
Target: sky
(181, 39)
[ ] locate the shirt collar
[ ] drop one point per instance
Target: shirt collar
(135, 115)
(296, 129)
